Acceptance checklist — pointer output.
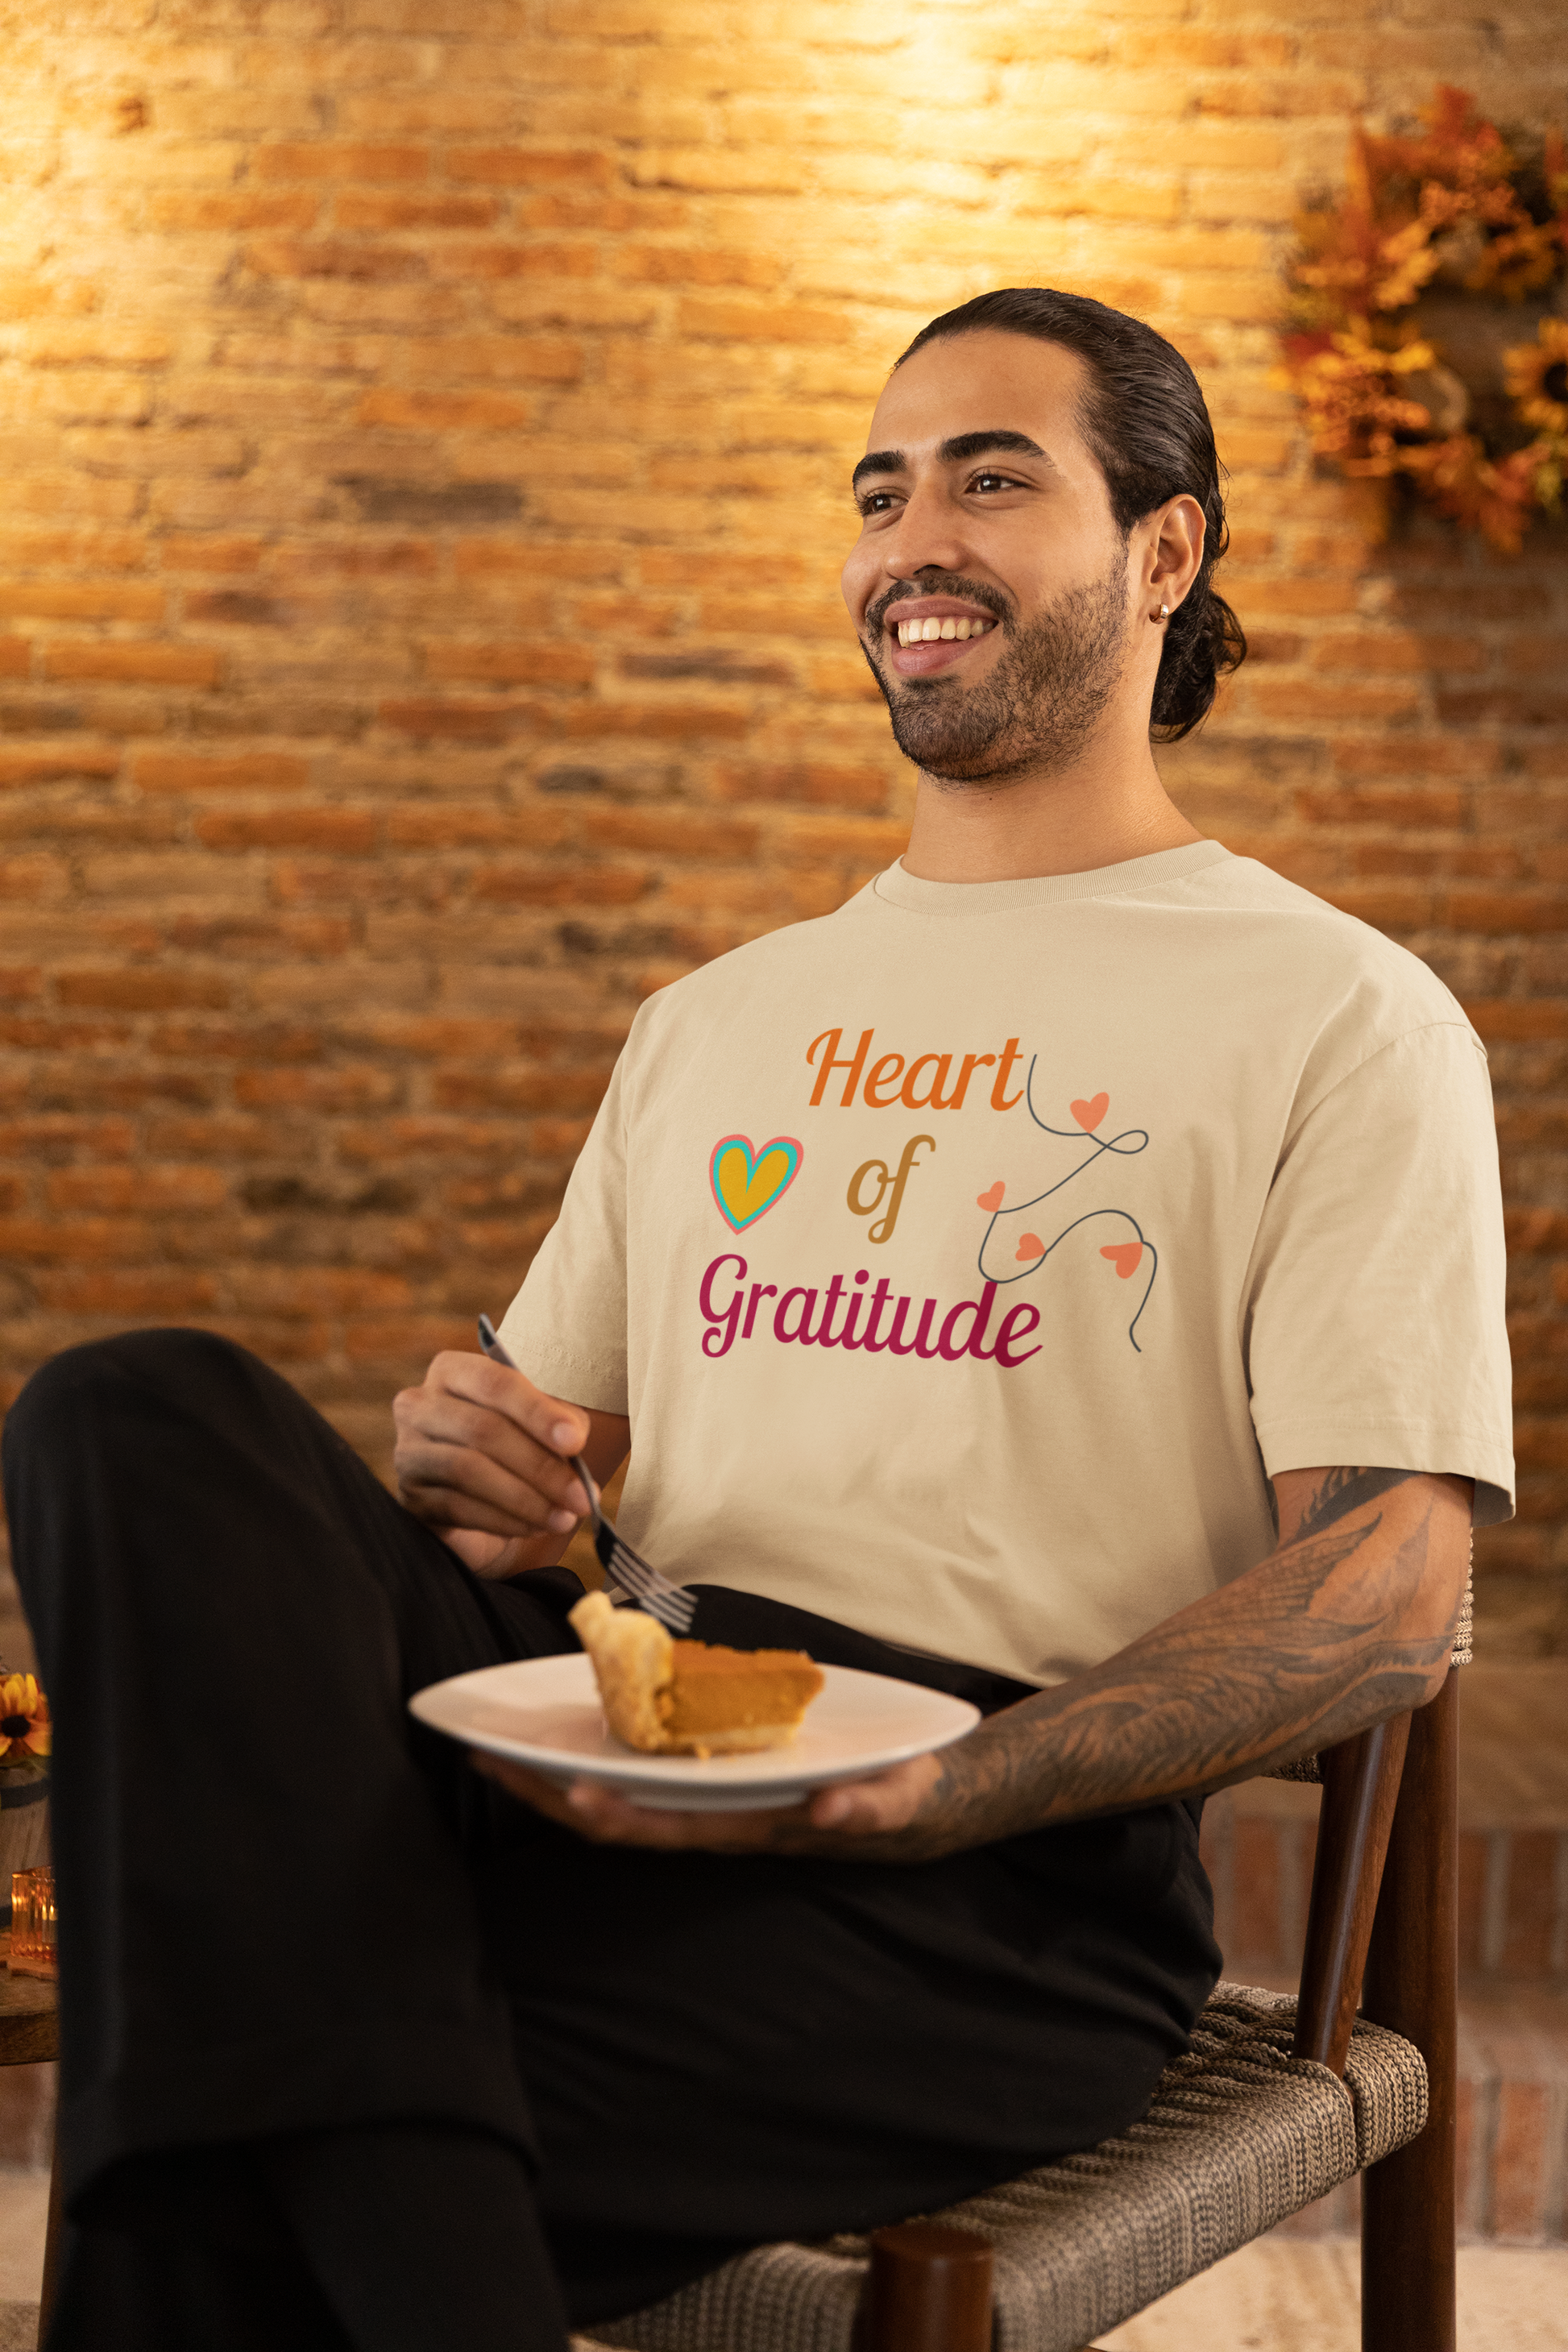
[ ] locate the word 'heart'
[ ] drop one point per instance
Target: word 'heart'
(992, 1199)
(747, 1183)
(1090, 1113)
(1124, 1256)
(1030, 1245)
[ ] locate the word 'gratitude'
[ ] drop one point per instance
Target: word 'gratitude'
(798, 1321)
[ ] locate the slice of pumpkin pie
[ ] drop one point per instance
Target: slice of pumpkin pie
(690, 1698)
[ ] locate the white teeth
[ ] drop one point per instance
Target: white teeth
(933, 632)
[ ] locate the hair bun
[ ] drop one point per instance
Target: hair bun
(1204, 642)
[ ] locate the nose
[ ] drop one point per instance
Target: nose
(928, 536)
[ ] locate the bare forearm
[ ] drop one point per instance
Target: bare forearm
(1349, 1622)
(1346, 1624)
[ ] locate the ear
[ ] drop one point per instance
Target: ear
(1172, 541)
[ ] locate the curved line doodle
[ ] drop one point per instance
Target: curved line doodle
(1073, 1134)
(1126, 1145)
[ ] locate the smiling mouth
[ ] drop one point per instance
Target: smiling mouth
(943, 632)
(927, 644)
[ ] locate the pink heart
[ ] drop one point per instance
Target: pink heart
(1090, 1113)
(1124, 1256)
(1030, 1245)
(992, 1199)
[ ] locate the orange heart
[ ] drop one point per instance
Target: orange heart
(1030, 1245)
(1090, 1113)
(992, 1199)
(1124, 1258)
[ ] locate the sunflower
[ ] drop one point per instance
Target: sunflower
(1538, 377)
(24, 1726)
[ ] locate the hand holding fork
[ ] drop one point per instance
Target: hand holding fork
(623, 1567)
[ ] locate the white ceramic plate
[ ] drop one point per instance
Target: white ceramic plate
(545, 1712)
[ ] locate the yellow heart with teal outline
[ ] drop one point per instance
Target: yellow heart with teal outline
(746, 1183)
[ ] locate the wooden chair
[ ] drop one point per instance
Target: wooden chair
(1279, 2101)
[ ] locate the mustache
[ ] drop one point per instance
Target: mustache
(945, 584)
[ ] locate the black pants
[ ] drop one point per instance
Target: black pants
(288, 1908)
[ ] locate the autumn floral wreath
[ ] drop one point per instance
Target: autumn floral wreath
(1453, 212)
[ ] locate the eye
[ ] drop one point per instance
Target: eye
(990, 482)
(876, 502)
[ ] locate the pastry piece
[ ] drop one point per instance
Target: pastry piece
(691, 1698)
(633, 1663)
(722, 1700)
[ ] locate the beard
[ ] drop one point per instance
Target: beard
(1042, 700)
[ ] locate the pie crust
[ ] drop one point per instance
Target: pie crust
(690, 1698)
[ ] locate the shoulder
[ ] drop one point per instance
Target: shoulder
(1351, 980)
(686, 1008)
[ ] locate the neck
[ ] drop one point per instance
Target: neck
(1107, 806)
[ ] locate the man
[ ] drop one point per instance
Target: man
(1003, 1279)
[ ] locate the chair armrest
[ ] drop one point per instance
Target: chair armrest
(1361, 1788)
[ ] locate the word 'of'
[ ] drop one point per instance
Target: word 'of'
(738, 1316)
(883, 1087)
(882, 1230)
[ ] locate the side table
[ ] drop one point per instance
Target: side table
(29, 2036)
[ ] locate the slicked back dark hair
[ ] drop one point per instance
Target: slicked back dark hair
(1147, 424)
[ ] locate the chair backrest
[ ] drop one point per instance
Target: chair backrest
(1384, 1924)
(1412, 1986)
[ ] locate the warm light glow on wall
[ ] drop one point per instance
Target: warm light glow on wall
(426, 434)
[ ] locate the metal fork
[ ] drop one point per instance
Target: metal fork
(624, 1568)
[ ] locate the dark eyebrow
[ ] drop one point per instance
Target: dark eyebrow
(951, 453)
(879, 461)
(975, 445)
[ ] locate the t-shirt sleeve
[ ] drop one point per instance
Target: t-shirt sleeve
(1374, 1324)
(566, 1328)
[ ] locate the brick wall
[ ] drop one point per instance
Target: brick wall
(425, 432)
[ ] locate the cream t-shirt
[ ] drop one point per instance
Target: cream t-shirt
(965, 1259)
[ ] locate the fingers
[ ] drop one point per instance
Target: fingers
(487, 1555)
(856, 1808)
(545, 1796)
(480, 1446)
(835, 1820)
(872, 1808)
(555, 1428)
(604, 1818)
(593, 1811)
(450, 1484)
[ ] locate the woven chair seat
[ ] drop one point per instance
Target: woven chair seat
(1238, 2134)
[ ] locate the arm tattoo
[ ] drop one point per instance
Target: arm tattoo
(1346, 1490)
(1306, 1649)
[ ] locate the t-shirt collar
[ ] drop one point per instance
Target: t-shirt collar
(1134, 873)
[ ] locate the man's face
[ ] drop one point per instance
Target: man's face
(984, 513)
